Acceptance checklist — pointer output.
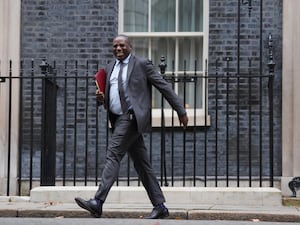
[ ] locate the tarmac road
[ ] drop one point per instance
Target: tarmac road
(103, 221)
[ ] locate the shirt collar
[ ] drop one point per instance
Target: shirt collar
(125, 61)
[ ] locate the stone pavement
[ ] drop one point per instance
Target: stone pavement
(126, 221)
(22, 207)
(15, 206)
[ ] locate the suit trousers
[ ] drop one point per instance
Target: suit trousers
(126, 139)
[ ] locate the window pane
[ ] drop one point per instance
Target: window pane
(140, 46)
(181, 53)
(190, 50)
(193, 93)
(163, 15)
(135, 15)
(191, 15)
(163, 47)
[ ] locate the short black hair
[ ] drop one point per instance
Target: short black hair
(126, 37)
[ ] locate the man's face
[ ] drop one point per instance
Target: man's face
(121, 47)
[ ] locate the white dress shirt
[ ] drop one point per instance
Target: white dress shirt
(114, 98)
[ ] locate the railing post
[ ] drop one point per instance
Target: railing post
(162, 67)
(271, 65)
(48, 151)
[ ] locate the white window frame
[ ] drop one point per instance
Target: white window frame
(200, 113)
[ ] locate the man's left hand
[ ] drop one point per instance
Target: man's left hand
(184, 120)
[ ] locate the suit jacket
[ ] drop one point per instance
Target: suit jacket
(141, 75)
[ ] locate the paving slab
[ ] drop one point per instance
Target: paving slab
(23, 207)
(263, 196)
(260, 204)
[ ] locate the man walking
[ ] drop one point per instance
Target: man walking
(127, 98)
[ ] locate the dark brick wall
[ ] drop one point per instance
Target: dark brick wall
(68, 34)
(253, 29)
(82, 30)
(69, 29)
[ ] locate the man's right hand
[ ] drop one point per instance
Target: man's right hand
(100, 97)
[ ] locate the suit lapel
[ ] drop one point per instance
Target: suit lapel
(130, 66)
(109, 70)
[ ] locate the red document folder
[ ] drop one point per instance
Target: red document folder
(100, 79)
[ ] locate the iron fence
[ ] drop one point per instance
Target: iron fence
(63, 133)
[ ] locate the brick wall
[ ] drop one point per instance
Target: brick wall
(68, 34)
(83, 30)
(223, 46)
(73, 29)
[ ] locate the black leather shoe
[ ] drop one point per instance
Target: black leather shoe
(91, 206)
(158, 213)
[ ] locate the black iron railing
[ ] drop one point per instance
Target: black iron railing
(63, 133)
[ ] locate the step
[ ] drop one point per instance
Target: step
(255, 196)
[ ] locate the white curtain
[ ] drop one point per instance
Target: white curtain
(191, 15)
(163, 15)
(135, 15)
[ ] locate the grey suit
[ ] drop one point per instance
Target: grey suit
(127, 132)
